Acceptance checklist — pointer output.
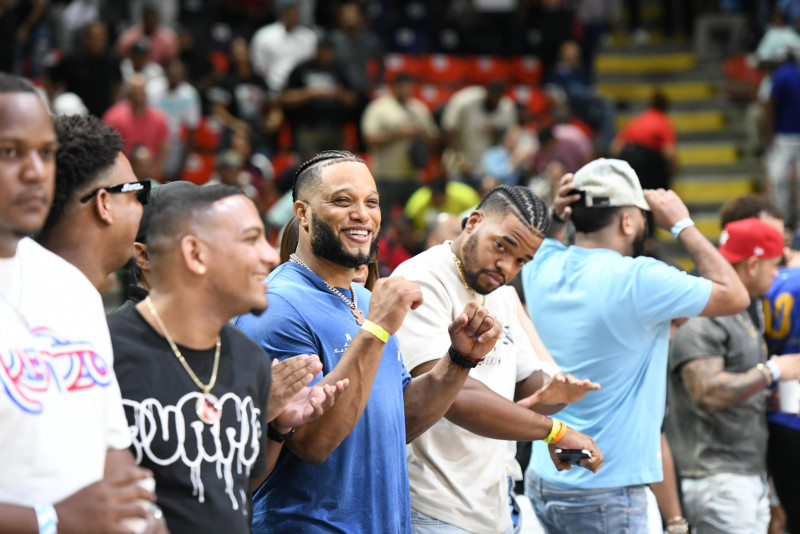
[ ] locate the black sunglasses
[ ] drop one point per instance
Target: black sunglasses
(142, 191)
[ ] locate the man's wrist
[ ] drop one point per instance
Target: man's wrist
(376, 330)
(555, 218)
(680, 226)
(557, 432)
(461, 360)
(767, 374)
(775, 369)
(677, 525)
(46, 518)
(281, 437)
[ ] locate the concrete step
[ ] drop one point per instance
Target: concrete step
(687, 121)
(697, 191)
(643, 92)
(701, 154)
(744, 166)
(671, 63)
(662, 77)
(706, 222)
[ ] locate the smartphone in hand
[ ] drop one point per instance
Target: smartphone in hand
(573, 456)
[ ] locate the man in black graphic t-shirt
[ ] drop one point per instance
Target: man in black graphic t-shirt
(196, 390)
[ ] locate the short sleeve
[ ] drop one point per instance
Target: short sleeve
(700, 337)
(117, 435)
(280, 331)
(527, 360)
(662, 293)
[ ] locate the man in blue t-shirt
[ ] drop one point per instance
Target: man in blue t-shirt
(782, 320)
(347, 471)
(604, 313)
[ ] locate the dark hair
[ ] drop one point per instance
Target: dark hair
(545, 135)
(87, 147)
(147, 212)
(438, 185)
(174, 212)
(659, 101)
(745, 207)
(14, 84)
(587, 220)
(521, 202)
(310, 172)
(289, 239)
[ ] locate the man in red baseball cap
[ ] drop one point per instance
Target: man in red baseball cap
(719, 371)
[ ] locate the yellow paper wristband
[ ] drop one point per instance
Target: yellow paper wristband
(554, 431)
(375, 330)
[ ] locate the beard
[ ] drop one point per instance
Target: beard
(470, 248)
(326, 245)
(639, 243)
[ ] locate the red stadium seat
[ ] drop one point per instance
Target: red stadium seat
(444, 69)
(199, 167)
(531, 98)
(434, 95)
(487, 69)
(395, 64)
(526, 70)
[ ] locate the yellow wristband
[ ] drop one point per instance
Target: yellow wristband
(554, 431)
(375, 330)
(562, 431)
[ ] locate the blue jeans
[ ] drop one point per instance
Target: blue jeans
(425, 524)
(597, 511)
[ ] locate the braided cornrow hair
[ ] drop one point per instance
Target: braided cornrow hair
(521, 201)
(311, 169)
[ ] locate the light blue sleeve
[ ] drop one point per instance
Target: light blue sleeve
(662, 293)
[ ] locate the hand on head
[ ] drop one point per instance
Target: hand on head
(666, 206)
(564, 197)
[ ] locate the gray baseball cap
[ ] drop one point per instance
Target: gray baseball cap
(609, 183)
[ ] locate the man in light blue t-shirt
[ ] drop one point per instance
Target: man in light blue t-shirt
(604, 313)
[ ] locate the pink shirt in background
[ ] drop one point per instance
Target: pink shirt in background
(149, 129)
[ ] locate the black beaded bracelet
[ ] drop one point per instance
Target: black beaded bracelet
(461, 361)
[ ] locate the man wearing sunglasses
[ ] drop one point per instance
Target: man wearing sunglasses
(98, 201)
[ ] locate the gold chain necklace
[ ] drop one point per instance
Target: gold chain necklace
(208, 407)
(460, 269)
(353, 305)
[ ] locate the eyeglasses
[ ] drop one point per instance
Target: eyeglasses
(142, 191)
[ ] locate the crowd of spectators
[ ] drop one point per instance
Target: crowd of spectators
(243, 93)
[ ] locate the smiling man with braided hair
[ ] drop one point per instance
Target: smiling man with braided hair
(458, 468)
(347, 471)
